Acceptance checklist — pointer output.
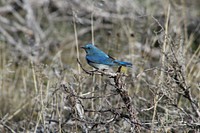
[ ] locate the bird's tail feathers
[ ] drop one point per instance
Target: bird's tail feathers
(122, 63)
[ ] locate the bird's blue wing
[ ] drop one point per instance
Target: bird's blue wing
(99, 59)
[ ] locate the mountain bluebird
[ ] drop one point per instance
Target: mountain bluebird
(100, 60)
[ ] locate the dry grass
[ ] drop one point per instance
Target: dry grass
(44, 89)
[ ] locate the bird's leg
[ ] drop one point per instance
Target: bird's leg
(119, 69)
(103, 71)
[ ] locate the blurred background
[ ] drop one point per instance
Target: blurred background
(40, 43)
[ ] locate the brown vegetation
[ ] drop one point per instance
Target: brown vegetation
(47, 86)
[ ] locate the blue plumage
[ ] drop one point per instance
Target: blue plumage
(100, 60)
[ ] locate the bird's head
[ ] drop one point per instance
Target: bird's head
(89, 48)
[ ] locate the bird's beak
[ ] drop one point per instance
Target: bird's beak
(83, 47)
